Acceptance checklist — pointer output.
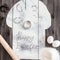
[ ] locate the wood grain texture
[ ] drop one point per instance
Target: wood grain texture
(53, 7)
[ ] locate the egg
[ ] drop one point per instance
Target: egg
(56, 43)
(50, 39)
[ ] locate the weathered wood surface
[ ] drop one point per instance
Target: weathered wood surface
(6, 32)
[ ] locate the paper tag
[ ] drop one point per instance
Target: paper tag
(28, 21)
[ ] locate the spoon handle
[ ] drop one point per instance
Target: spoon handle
(8, 48)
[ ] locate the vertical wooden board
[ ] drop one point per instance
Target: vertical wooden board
(50, 31)
(53, 6)
(0, 32)
(5, 30)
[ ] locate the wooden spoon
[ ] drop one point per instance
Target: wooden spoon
(8, 48)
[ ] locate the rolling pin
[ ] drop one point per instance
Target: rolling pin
(8, 48)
